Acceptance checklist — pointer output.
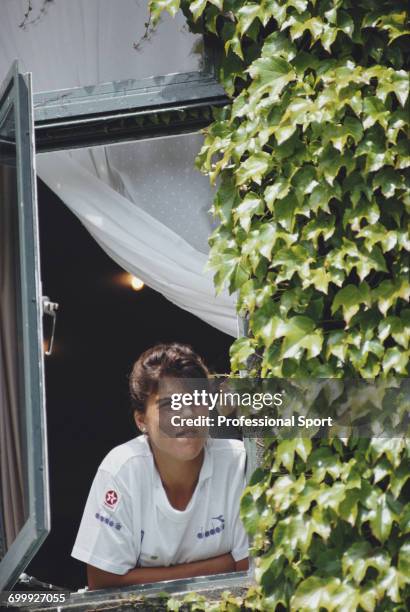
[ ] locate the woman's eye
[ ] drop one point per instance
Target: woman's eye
(165, 407)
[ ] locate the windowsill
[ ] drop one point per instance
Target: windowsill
(210, 587)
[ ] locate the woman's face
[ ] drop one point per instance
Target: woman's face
(176, 438)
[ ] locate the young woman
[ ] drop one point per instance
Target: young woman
(164, 506)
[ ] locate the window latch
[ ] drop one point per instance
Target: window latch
(50, 309)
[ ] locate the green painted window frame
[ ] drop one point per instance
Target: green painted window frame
(16, 97)
(129, 110)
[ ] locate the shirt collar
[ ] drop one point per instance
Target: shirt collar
(160, 495)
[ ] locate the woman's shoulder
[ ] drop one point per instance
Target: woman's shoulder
(125, 455)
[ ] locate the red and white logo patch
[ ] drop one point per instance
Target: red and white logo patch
(111, 499)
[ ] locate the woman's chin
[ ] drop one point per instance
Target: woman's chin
(187, 449)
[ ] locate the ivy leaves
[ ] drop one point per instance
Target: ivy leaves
(269, 75)
(297, 333)
(253, 168)
(315, 148)
(335, 511)
(312, 166)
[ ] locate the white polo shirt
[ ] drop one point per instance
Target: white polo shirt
(128, 521)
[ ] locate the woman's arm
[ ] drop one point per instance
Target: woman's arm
(100, 579)
(242, 565)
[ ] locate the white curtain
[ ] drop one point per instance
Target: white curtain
(143, 202)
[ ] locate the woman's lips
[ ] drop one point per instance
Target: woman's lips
(190, 432)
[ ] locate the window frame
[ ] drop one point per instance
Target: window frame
(118, 111)
(212, 585)
(15, 93)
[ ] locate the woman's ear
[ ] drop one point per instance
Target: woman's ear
(139, 419)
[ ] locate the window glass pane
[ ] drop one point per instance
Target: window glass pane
(13, 467)
(75, 43)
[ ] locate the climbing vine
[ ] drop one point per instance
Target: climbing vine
(312, 166)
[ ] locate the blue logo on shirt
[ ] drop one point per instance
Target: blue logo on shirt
(107, 521)
(220, 526)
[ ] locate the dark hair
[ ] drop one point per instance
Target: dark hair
(174, 359)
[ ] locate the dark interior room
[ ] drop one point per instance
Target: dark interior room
(102, 327)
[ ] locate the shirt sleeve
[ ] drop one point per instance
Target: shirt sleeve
(106, 535)
(240, 540)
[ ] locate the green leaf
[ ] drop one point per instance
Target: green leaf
(305, 180)
(197, 8)
(251, 205)
(391, 583)
(397, 360)
(355, 185)
(351, 127)
(234, 44)
(324, 461)
(226, 198)
(391, 447)
(375, 110)
(382, 469)
(350, 599)
(270, 76)
(321, 225)
(249, 513)
(303, 448)
(388, 292)
(290, 534)
(377, 233)
(396, 82)
(388, 180)
(322, 194)
(405, 519)
(225, 262)
(285, 455)
(299, 5)
(218, 4)
(284, 211)
(240, 350)
(328, 37)
(314, 593)
(254, 168)
(278, 45)
(404, 560)
(277, 191)
(399, 478)
(349, 299)
(395, 327)
(156, 7)
(331, 497)
(345, 23)
(365, 262)
(239, 277)
(246, 16)
(266, 325)
(331, 161)
(348, 508)
(299, 24)
(300, 335)
(359, 557)
(320, 278)
(381, 519)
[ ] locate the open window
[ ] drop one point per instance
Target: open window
(24, 516)
(86, 134)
